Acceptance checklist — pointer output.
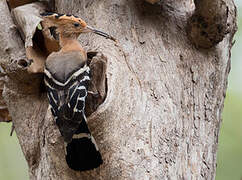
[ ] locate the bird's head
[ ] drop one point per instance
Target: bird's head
(70, 25)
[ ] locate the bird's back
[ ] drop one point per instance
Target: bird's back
(63, 65)
(66, 79)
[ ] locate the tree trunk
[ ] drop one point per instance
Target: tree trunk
(162, 112)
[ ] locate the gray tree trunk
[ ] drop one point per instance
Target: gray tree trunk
(162, 112)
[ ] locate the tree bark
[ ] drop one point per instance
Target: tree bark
(162, 112)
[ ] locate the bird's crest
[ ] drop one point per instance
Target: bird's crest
(70, 25)
(61, 19)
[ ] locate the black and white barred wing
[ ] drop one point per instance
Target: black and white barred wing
(67, 101)
(82, 153)
(77, 94)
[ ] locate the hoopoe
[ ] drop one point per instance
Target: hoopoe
(66, 78)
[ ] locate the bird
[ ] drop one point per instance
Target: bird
(66, 77)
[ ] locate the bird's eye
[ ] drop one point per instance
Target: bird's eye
(76, 24)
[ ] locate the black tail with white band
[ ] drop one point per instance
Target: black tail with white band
(66, 94)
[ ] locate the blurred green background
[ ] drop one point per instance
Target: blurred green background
(229, 162)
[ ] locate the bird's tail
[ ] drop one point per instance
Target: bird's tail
(82, 152)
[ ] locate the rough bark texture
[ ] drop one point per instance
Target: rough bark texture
(209, 24)
(162, 112)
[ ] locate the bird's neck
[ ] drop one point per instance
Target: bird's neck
(70, 44)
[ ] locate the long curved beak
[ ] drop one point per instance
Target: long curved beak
(91, 29)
